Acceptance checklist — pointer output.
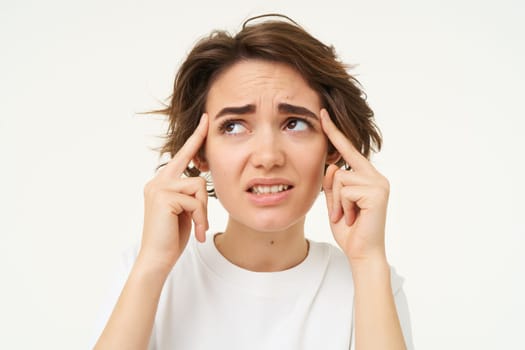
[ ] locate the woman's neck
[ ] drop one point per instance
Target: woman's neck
(262, 251)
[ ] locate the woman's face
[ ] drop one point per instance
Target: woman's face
(265, 148)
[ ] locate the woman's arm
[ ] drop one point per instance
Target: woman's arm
(377, 324)
(131, 322)
(171, 204)
(357, 202)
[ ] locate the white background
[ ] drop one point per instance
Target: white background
(445, 79)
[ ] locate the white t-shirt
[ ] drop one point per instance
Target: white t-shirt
(209, 303)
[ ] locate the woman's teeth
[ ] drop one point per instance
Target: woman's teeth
(269, 189)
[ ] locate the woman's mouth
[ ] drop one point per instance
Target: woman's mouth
(269, 189)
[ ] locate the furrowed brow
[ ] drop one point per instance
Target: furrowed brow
(292, 109)
(236, 110)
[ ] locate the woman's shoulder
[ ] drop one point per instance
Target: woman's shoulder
(336, 257)
(339, 267)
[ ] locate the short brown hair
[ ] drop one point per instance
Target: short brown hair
(278, 40)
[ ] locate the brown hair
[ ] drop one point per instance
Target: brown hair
(274, 40)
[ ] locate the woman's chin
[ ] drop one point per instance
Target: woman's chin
(271, 224)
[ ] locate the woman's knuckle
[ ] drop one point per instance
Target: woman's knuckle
(148, 188)
(339, 174)
(201, 181)
(381, 192)
(385, 184)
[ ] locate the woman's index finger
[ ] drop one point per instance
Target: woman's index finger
(187, 152)
(350, 154)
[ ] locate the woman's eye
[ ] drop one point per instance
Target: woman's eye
(232, 128)
(297, 125)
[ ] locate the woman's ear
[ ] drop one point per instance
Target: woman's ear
(200, 161)
(333, 156)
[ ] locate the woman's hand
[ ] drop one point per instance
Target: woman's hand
(356, 199)
(171, 203)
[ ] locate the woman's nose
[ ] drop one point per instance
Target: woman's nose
(267, 151)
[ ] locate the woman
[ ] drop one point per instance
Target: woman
(274, 118)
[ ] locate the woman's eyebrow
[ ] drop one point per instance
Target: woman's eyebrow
(236, 110)
(282, 107)
(292, 109)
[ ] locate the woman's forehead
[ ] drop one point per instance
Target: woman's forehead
(256, 81)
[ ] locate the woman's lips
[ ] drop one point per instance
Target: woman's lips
(270, 198)
(261, 181)
(266, 189)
